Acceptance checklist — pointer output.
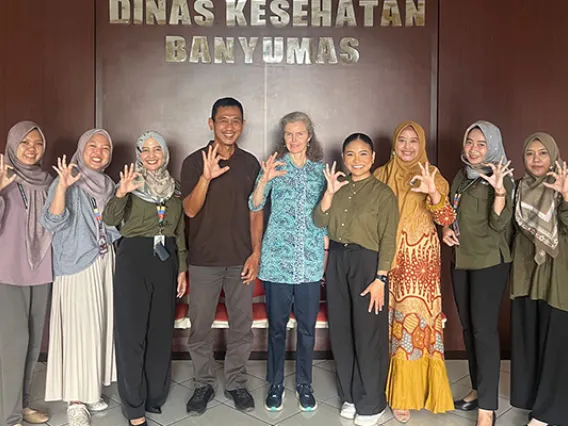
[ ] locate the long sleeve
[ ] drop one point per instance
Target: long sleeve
(499, 223)
(2, 210)
(115, 210)
(387, 228)
(321, 219)
(53, 222)
(442, 213)
(181, 244)
(563, 213)
(267, 189)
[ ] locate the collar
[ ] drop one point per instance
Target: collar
(238, 150)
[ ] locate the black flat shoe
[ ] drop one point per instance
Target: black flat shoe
(153, 410)
(466, 405)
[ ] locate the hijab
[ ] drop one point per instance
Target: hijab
(535, 208)
(158, 186)
(95, 183)
(495, 150)
(397, 174)
(35, 183)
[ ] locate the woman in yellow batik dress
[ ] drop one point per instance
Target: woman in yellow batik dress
(417, 376)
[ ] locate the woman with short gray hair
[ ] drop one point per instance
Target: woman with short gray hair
(293, 252)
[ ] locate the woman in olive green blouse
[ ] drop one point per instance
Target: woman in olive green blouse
(539, 309)
(481, 194)
(151, 261)
(361, 214)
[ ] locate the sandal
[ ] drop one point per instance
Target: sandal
(35, 417)
(402, 416)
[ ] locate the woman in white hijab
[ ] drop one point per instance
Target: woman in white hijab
(150, 270)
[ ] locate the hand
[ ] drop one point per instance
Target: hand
(4, 179)
(427, 182)
(250, 269)
(211, 169)
(127, 182)
(500, 170)
(331, 176)
(269, 171)
(449, 237)
(182, 284)
(560, 184)
(377, 291)
(65, 172)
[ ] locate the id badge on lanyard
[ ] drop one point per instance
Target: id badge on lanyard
(101, 234)
(160, 249)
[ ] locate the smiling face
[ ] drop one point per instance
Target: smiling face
(96, 154)
(407, 145)
(227, 125)
(297, 137)
(537, 159)
(475, 148)
(358, 158)
(30, 149)
(152, 155)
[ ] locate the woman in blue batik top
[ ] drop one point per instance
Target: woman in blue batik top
(293, 252)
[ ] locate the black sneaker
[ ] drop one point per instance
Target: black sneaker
(197, 404)
(242, 398)
(275, 398)
(306, 399)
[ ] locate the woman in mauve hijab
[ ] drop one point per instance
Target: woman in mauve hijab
(25, 270)
(539, 309)
(81, 349)
(482, 195)
(151, 270)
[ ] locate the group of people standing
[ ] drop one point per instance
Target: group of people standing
(373, 236)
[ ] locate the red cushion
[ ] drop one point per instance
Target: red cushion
(181, 310)
(259, 312)
(221, 313)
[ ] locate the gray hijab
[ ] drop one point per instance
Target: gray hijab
(95, 183)
(495, 150)
(35, 182)
(158, 185)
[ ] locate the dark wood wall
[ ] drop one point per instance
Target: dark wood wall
(502, 61)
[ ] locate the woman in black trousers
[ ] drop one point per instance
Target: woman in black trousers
(151, 261)
(482, 197)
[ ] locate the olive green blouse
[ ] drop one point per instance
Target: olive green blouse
(139, 218)
(548, 281)
(484, 236)
(364, 213)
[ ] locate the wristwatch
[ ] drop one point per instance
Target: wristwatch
(383, 278)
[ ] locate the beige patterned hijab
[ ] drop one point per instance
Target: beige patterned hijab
(535, 207)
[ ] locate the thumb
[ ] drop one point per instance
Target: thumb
(365, 292)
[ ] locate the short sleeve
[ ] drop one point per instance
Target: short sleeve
(191, 170)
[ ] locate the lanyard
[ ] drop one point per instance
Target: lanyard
(23, 194)
(102, 239)
(456, 203)
(161, 209)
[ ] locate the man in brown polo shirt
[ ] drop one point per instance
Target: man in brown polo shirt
(224, 251)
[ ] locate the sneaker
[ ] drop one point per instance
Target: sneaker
(97, 406)
(368, 420)
(348, 411)
(197, 404)
(35, 417)
(78, 415)
(275, 398)
(306, 400)
(242, 398)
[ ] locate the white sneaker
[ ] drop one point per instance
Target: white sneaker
(348, 411)
(78, 415)
(371, 420)
(97, 406)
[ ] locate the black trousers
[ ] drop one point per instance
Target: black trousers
(279, 298)
(478, 294)
(144, 315)
(539, 360)
(359, 338)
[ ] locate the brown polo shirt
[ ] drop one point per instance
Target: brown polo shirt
(220, 233)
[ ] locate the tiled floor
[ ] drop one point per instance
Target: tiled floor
(221, 411)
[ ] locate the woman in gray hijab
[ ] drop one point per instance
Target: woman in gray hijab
(482, 196)
(25, 270)
(150, 271)
(81, 350)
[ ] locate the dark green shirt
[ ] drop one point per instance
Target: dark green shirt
(484, 235)
(548, 281)
(364, 213)
(139, 218)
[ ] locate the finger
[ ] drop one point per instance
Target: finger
(280, 172)
(415, 178)
(205, 159)
(553, 174)
(279, 164)
(121, 175)
(1, 162)
(333, 168)
(509, 172)
(549, 185)
(366, 291)
(371, 305)
(59, 162)
(224, 170)
(434, 173)
(340, 174)
(64, 161)
(422, 169)
(58, 171)
(484, 176)
(342, 184)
